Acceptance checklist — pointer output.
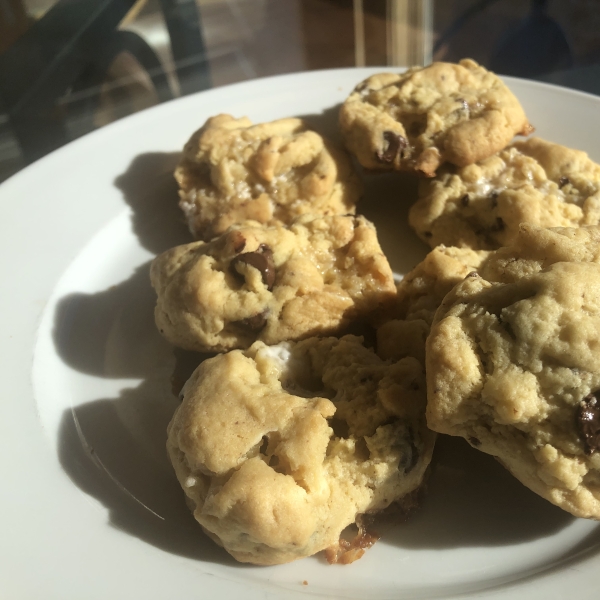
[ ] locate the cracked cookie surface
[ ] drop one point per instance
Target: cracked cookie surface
(513, 363)
(420, 294)
(417, 120)
(482, 205)
(233, 170)
(279, 448)
(272, 284)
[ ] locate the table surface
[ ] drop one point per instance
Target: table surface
(245, 39)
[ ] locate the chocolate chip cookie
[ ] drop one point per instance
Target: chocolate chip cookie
(417, 120)
(232, 171)
(420, 294)
(482, 205)
(280, 448)
(513, 364)
(272, 284)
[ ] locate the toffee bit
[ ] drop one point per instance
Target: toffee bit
(587, 417)
(563, 181)
(395, 143)
(239, 241)
(262, 260)
(346, 552)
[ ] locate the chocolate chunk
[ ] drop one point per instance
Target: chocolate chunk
(588, 422)
(395, 143)
(494, 199)
(563, 181)
(465, 200)
(262, 260)
(254, 323)
(474, 441)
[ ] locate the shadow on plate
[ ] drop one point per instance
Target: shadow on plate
(471, 500)
(114, 450)
(148, 186)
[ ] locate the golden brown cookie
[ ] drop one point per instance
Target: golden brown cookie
(513, 364)
(232, 171)
(272, 284)
(279, 448)
(417, 120)
(420, 294)
(482, 205)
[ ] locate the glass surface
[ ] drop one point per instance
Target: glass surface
(91, 71)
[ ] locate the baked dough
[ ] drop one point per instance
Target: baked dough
(232, 171)
(481, 206)
(275, 283)
(280, 448)
(513, 364)
(417, 120)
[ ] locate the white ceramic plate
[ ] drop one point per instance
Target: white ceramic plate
(89, 506)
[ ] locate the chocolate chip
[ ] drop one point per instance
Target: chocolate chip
(427, 234)
(465, 200)
(494, 199)
(474, 441)
(262, 260)
(563, 181)
(395, 143)
(254, 323)
(588, 422)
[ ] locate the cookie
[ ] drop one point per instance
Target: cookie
(481, 205)
(420, 294)
(272, 284)
(280, 448)
(513, 364)
(417, 120)
(232, 171)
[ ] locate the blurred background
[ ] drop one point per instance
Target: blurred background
(68, 67)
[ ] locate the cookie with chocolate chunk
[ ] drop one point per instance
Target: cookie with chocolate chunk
(272, 284)
(417, 120)
(279, 448)
(513, 363)
(232, 171)
(482, 205)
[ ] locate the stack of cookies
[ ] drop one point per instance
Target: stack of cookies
(298, 427)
